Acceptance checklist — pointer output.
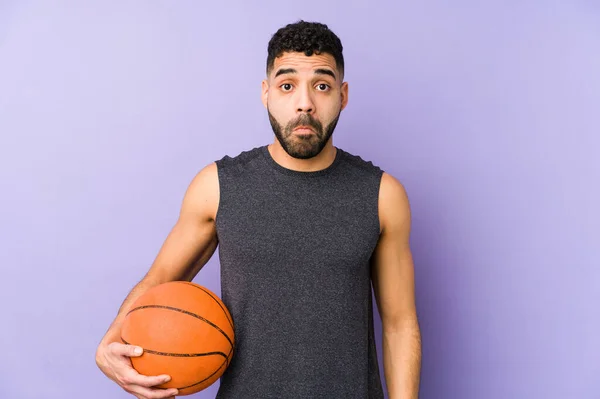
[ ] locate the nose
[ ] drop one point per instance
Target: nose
(305, 102)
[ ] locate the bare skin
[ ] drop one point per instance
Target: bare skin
(305, 87)
(394, 288)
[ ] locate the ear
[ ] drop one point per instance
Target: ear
(265, 92)
(344, 94)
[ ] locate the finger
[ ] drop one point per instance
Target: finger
(119, 349)
(131, 377)
(149, 393)
(124, 369)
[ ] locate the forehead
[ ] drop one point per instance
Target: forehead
(304, 63)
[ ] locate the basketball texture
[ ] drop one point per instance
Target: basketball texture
(186, 332)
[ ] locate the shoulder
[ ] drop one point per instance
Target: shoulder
(391, 189)
(205, 178)
(394, 206)
(202, 194)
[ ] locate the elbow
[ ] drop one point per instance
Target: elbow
(400, 324)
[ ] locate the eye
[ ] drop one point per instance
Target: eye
(286, 86)
(323, 87)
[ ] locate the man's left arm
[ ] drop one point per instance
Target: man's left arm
(392, 273)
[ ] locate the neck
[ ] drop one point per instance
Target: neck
(323, 160)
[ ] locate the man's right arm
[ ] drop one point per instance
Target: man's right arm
(187, 248)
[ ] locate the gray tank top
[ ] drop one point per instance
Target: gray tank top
(294, 249)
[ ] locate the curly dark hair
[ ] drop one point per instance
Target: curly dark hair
(308, 38)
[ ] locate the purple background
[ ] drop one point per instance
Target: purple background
(489, 114)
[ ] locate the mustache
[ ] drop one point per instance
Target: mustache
(305, 120)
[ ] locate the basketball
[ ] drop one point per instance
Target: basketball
(186, 332)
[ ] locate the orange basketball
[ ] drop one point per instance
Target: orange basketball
(186, 332)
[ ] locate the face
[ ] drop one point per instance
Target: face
(304, 96)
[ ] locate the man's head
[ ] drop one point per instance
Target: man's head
(304, 91)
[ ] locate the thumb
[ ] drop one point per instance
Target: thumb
(129, 350)
(134, 350)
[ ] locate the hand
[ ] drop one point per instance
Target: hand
(114, 361)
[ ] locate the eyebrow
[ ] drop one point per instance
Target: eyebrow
(325, 72)
(320, 71)
(285, 71)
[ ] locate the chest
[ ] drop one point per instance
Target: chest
(298, 232)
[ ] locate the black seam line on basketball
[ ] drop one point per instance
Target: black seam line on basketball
(200, 382)
(173, 354)
(185, 312)
(221, 306)
(228, 358)
(225, 362)
(218, 303)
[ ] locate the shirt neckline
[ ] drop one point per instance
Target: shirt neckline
(305, 174)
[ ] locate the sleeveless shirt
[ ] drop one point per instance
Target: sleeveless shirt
(294, 249)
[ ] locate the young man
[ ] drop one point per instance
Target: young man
(303, 229)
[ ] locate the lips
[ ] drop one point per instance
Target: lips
(304, 129)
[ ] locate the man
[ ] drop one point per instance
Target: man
(303, 229)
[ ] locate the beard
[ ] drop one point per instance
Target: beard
(303, 146)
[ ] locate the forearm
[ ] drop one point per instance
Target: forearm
(181, 266)
(402, 360)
